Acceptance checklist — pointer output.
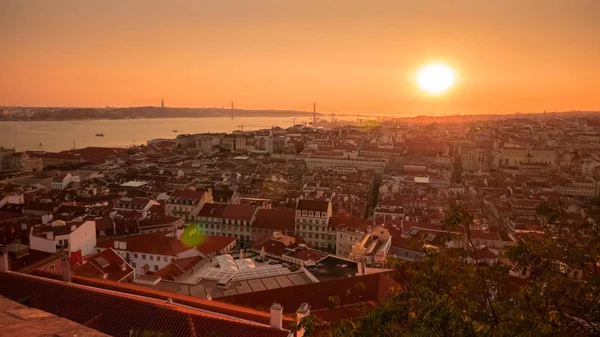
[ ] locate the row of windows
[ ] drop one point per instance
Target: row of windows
(240, 237)
(354, 162)
(310, 228)
(316, 236)
(225, 221)
(235, 229)
(310, 221)
(311, 213)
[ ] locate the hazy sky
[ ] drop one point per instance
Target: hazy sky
(354, 56)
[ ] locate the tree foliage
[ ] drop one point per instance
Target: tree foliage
(443, 295)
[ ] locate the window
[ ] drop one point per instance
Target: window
(98, 250)
(166, 259)
(133, 264)
(310, 235)
(151, 257)
(135, 255)
(303, 227)
(155, 267)
(143, 256)
(310, 228)
(172, 259)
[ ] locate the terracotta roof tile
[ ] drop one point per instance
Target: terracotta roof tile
(153, 243)
(107, 262)
(134, 289)
(213, 243)
(277, 219)
(313, 205)
(116, 313)
(239, 212)
(213, 210)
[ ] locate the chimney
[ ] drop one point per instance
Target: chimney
(276, 316)
(303, 311)
(66, 267)
(4, 267)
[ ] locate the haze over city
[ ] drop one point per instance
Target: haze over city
(351, 56)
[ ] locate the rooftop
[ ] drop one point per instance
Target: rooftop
(313, 205)
(134, 184)
(19, 320)
(239, 212)
(116, 312)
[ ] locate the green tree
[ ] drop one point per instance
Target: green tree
(443, 295)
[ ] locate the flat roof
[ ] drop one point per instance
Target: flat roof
(206, 287)
(134, 183)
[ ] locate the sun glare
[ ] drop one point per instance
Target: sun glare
(435, 78)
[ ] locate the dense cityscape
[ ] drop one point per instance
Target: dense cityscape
(311, 210)
(268, 168)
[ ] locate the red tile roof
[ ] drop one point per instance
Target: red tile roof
(280, 219)
(153, 243)
(200, 303)
(117, 313)
(239, 212)
(213, 243)
(350, 290)
(351, 224)
(107, 262)
(306, 255)
(414, 243)
(213, 210)
(277, 246)
(175, 269)
(485, 235)
(189, 194)
(313, 205)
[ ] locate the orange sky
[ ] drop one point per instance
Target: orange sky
(353, 56)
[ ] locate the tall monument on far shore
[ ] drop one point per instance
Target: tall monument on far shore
(162, 102)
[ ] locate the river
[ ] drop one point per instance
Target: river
(63, 135)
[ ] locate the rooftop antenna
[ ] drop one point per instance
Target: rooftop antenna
(241, 127)
(314, 113)
(231, 110)
(73, 144)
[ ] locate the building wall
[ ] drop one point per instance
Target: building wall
(517, 156)
(405, 254)
(83, 238)
(138, 260)
(345, 240)
(313, 227)
(41, 244)
(376, 165)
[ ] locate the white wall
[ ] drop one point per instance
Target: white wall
(41, 244)
(84, 238)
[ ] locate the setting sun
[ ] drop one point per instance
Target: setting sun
(435, 78)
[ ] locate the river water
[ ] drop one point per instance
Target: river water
(63, 135)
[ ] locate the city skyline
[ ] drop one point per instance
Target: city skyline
(350, 56)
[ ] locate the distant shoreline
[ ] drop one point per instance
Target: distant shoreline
(138, 118)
